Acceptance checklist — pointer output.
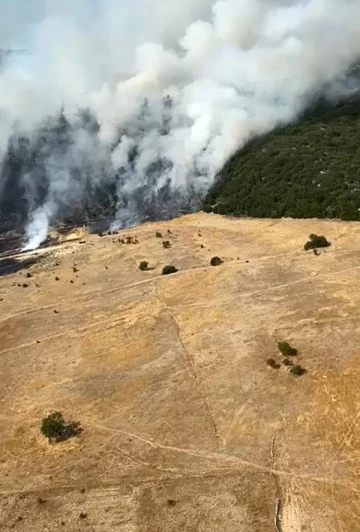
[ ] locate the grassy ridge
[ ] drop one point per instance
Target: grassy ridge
(305, 170)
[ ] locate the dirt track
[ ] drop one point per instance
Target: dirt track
(185, 426)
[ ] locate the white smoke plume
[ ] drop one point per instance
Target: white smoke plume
(36, 231)
(172, 89)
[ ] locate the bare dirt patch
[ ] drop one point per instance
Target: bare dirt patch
(185, 426)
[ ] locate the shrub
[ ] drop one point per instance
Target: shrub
(297, 370)
(167, 270)
(55, 429)
(272, 363)
(287, 362)
(316, 241)
(207, 208)
(158, 234)
(220, 208)
(216, 261)
(166, 244)
(286, 349)
(143, 266)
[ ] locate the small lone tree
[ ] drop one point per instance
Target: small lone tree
(54, 428)
(297, 370)
(216, 261)
(143, 266)
(167, 270)
(287, 362)
(286, 349)
(316, 241)
(272, 363)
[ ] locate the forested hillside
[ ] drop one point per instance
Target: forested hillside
(305, 170)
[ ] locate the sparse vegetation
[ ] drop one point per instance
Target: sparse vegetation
(286, 349)
(158, 234)
(143, 266)
(297, 370)
(169, 269)
(56, 429)
(216, 261)
(316, 241)
(129, 240)
(166, 244)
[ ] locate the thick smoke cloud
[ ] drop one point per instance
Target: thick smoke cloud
(142, 102)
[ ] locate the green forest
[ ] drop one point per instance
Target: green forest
(310, 169)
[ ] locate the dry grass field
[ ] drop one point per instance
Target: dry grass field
(185, 427)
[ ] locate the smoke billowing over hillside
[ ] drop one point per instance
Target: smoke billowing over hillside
(135, 106)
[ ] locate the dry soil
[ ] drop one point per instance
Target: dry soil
(185, 427)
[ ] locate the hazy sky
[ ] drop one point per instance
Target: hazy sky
(17, 17)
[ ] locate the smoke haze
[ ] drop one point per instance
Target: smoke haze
(143, 101)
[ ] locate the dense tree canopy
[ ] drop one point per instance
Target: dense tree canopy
(310, 169)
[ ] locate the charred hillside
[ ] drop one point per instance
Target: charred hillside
(64, 164)
(310, 169)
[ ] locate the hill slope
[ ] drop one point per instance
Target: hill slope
(310, 169)
(185, 426)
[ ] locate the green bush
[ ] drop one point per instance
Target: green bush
(143, 266)
(216, 261)
(272, 363)
(297, 370)
(221, 208)
(55, 429)
(169, 269)
(286, 349)
(207, 207)
(287, 362)
(316, 241)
